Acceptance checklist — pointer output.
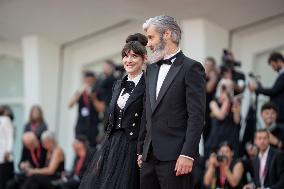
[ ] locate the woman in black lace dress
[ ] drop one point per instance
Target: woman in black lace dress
(114, 165)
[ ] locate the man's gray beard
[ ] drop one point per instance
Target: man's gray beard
(158, 54)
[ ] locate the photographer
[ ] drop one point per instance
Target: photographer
(222, 170)
(212, 79)
(225, 110)
(276, 93)
(237, 76)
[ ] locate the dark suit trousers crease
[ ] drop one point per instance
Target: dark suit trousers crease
(157, 174)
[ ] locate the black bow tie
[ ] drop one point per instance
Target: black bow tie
(128, 86)
(167, 61)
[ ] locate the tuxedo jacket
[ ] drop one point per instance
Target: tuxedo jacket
(172, 124)
(131, 113)
(276, 94)
(274, 170)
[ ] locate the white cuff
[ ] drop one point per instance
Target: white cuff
(187, 157)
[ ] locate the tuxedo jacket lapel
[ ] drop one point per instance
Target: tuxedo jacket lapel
(153, 77)
(137, 92)
(175, 68)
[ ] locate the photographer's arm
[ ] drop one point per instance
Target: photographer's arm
(235, 176)
(276, 89)
(209, 175)
(219, 113)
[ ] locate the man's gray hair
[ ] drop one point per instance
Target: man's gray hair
(163, 23)
(48, 135)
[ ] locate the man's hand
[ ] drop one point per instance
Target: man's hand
(272, 139)
(183, 166)
(252, 86)
(139, 161)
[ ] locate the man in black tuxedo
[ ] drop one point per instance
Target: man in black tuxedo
(174, 110)
(268, 165)
(276, 93)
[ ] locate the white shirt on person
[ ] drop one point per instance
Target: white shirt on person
(164, 69)
(6, 137)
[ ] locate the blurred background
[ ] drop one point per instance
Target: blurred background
(46, 47)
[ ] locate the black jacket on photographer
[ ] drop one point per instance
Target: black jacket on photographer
(276, 94)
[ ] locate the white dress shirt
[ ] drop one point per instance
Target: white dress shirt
(6, 137)
(122, 99)
(164, 69)
(262, 163)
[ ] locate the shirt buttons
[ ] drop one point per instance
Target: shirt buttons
(133, 124)
(131, 133)
(136, 114)
(118, 125)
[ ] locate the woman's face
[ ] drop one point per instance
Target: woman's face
(226, 151)
(35, 114)
(132, 63)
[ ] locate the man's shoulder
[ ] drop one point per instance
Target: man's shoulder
(190, 62)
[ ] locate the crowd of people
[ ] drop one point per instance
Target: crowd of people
(118, 101)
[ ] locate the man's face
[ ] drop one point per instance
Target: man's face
(89, 80)
(269, 116)
(261, 140)
(275, 66)
(156, 43)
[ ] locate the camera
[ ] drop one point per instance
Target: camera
(221, 158)
(228, 59)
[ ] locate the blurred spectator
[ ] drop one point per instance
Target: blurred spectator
(226, 118)
(90, 104)
(268, 165)
(6, 145)
(39, 178)
(36, 122)
(238, 77)
(276, 132)
(276, 93)
(82, 159)
(34, 157)
(222, 170)
(212, 81)
(108, 81)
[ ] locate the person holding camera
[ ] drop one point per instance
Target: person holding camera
(90, 105)
(276, 92)
(222, 170)
(225, 111)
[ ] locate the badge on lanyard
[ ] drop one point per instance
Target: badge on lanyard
(85, 112)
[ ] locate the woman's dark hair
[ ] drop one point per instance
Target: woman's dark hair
(137, 43)
(227, 144)
(6, 110)
(38, 108)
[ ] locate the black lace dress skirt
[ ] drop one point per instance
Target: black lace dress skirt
(114, 166)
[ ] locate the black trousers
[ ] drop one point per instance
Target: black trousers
(6, 173)
(157, 174)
